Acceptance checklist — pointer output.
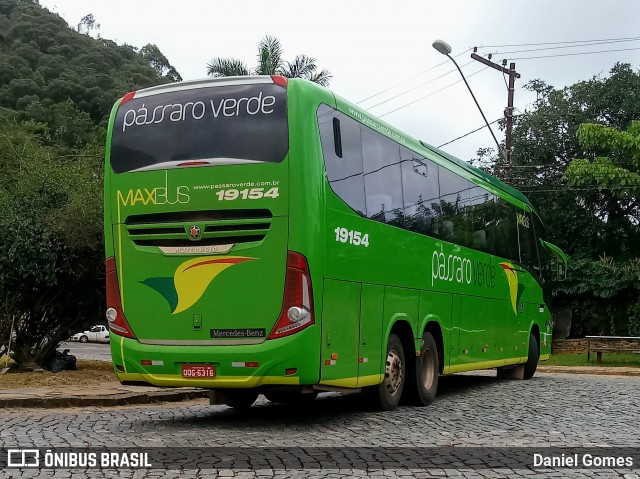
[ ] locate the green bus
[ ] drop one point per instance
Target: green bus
(265, 236)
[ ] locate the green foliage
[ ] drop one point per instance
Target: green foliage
(270, 62)
(88, 24)
(44, 58)
(633, 313)
(629, 360)
(57, 87)
(227, 67)
(49, 276)
(269, 56)
(601, 294)
(619, 172)
(589, 206)
(159, 62)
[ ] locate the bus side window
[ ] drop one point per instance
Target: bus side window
(344, 173)
(337, 137)
(526, 241)
(481, 204)
(503, 232)
(421, 193)
(454, 201)
(545, 258)
(382, 178)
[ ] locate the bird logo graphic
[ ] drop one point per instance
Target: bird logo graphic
(191, 280)
(515, 288)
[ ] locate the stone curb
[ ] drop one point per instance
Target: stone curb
(595, 371)
(104, 401)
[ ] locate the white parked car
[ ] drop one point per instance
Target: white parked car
(99, 334)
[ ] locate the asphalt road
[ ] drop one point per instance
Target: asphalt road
(96, 351)
(472, 411)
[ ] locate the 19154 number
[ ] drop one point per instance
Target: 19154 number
(343, 235)
(247, 194)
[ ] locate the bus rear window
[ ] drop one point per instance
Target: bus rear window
(214, 125)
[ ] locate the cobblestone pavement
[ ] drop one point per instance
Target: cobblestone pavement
(475, 410)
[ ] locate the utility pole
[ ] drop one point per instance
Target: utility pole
(508, 112)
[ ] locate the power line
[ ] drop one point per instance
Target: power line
(566, 46)
(418, 86)
(401, 83)
(411, 78)
(467, 134)
(432, 93)
(557, 43)
(578, 53)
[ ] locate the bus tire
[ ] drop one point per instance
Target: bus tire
(287, 397)
(240, 398)
(532, 359)
(421, 389)
(387, 394)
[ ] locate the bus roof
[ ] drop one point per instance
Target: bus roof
(480, 173)
(360, 115)
(445, 159)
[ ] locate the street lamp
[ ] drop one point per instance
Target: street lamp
(445, 49)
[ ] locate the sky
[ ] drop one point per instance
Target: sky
(383, 49)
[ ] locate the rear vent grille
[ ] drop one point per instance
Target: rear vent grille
(216, 227)
(195, 216)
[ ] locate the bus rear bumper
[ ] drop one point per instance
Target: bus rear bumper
(289, 361)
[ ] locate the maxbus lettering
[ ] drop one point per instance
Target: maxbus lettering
(161, 195)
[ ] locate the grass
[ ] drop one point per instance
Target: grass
(88, 373)
(608, 359)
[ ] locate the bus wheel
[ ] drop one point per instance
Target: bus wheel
(421, 390)
(287, 397)
(240, 398)
(387, 394)
(532, 359)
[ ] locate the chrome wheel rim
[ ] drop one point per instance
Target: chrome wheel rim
(393, 373)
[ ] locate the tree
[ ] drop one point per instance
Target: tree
(88, 24)
(614, 167)
(5, 31)
(50, 244)
(619, 171)
(595, 225)
(270, 62)
(159, 62)
(57, 87)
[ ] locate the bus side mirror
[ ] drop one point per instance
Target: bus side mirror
(558, 260)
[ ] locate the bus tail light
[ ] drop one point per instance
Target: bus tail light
(128, 97)
(297, 307)
(279, 80)
(117, 322)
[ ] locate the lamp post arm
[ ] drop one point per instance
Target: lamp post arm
(474, 99)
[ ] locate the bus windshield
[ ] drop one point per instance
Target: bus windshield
(228, 124)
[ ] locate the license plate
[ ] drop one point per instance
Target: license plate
(194, 371)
